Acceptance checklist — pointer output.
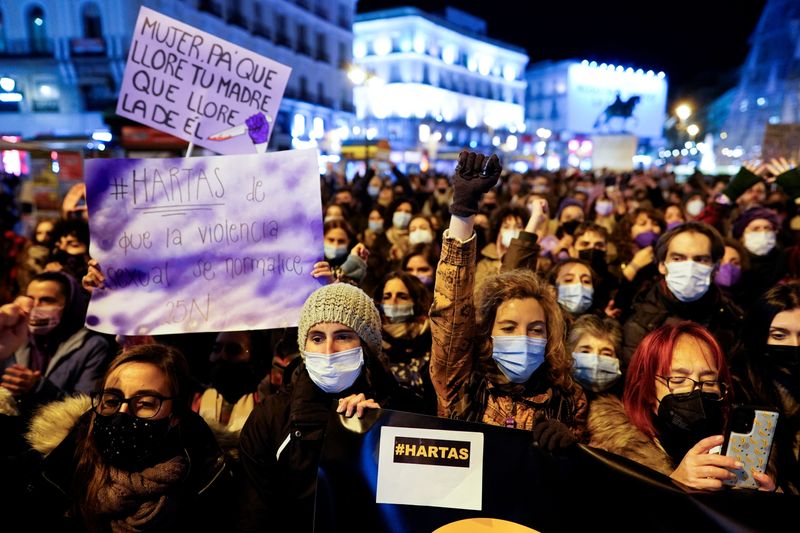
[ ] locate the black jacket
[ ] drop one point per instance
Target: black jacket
(280, 446)
(201, 506)
(657, 306)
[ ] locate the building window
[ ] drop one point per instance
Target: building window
(258, 27)
(344, 55)
(304, 89)
(321, 99)
(92, 25)
(321, 9)
(343, 18)
(302, 40)
(322, 48)
(37, 30)
(282, 38)
(2, 33)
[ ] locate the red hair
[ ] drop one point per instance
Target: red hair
(653, 357)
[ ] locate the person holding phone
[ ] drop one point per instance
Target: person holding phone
(767, 373)
(676, 400)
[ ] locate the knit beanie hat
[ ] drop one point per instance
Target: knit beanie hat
(566, 202)
(750, 215)
(345, 304)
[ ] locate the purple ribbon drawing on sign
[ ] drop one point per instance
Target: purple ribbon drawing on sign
(256, 126)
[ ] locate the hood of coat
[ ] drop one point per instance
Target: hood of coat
(52, 422)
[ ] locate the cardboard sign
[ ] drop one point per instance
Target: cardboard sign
(200, 88)
(614, 152)
(203, 244)
(430, 467)
(781, 140)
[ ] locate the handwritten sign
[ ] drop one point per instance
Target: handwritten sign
(781, 140)
(199, 87)
(203, 244)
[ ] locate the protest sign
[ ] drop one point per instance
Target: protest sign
(781, 140)
(577, 489)
(613, 152)
(200, 88)
(203, 244)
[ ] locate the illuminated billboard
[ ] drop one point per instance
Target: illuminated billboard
(613, 100)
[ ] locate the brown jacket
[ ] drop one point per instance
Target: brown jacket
(462, 369)
(611, 430)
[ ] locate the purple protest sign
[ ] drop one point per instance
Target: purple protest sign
(200, 88)
(205, 243)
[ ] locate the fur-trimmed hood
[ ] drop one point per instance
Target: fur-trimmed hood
(53, 421)
(610, 429)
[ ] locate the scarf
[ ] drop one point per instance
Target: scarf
(137, 501)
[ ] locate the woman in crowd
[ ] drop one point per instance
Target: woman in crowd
(729, 274)
(511, 368)
(398, 234)
(421, 262)
(280, 445)
(406, 335)
(676, 400)
(767, 373)
(506, 224)
(574, 282)
(339, 239)
(595, 343)
(133, 458)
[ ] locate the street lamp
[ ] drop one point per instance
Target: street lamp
(693, 130)
(683, 112)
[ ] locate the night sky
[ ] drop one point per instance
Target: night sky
(698, 44)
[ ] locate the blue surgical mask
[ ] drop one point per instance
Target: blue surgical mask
(401, 219)
(518, 356)
(376, 226)
(334, 252)
(398, 312)
(373, 191)
(575, 297)
(594, 372)
(334, 372)
(420, 236)
(426, 280)
(688, 280)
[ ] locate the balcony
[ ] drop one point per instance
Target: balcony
(236, 18)
(27, 48)
(87, 47)
(303, 48)
(260, 30)
(282, 39)
(45, 106)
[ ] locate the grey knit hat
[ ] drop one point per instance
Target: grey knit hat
(344, 304)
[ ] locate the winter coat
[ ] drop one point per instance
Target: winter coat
(406, 347)
(78, 362)
(610, 429)
(59, 428)
(279, 449)
(657, 306)
(461, 364)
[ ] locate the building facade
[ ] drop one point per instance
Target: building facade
(438, 83)
(63, 60)
(769, 87)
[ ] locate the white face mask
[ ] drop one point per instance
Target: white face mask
(401, 219)
(420, 236)
(398, 312)
(604, 207)
(759, 242)
(43, 320)
(506, 235)
(335, 372)
(695, 207)
(595, 372)
(688, 280)
(575, 297)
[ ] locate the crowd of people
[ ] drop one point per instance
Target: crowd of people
(624, 311)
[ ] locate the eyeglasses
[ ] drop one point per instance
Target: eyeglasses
(714, 390)
(107, 403)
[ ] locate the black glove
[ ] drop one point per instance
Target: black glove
(475, 174)
(790, 182)
(743, 180)
(552, 435)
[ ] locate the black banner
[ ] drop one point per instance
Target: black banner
(582, 489)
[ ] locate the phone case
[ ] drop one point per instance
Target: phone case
(752, 449)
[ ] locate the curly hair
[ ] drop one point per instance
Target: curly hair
(520, 284)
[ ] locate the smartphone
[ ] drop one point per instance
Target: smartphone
(749, 440)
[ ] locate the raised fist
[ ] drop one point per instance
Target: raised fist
(475, 174)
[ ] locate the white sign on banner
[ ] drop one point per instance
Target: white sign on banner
(200, 88)
(203, 243)
(430, 467)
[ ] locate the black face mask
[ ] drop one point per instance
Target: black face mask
(685, 419)
(570, 226)
(234, 380)
(787, 357)
(595, 258)
(130, 443)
